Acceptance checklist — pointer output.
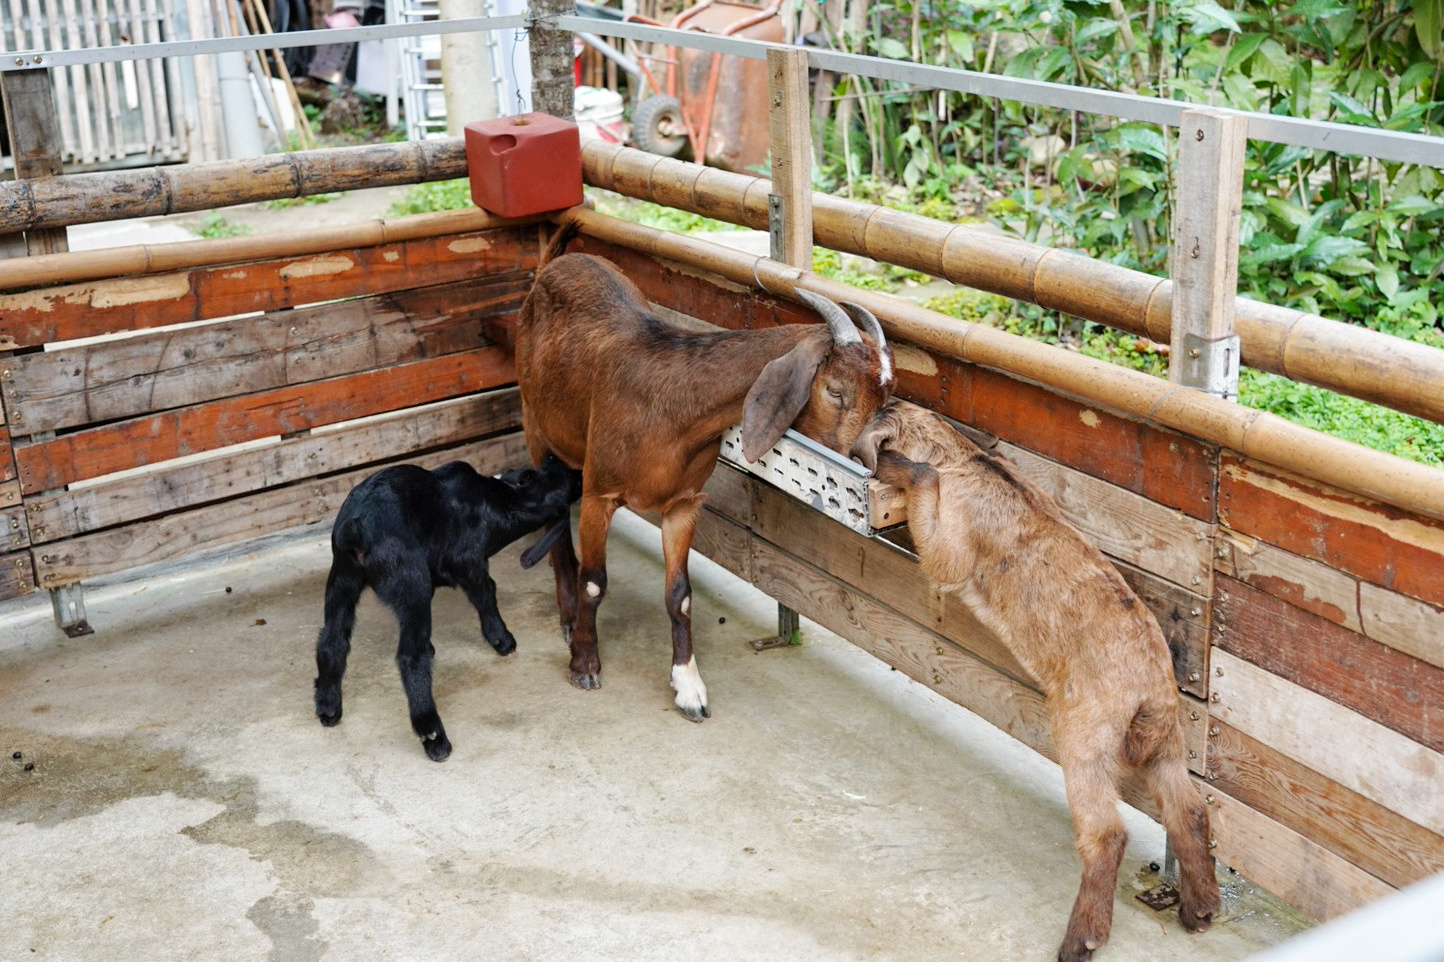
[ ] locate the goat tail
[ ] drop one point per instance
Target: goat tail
(347, 539)
(1152, 725)
(568, 229)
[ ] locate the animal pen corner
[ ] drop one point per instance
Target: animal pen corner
(159, 400)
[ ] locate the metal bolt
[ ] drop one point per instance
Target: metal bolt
(1193, 716)
(1213, 730)
(1195, 612)
(1198, 135)
(1213, 843)
(1214, 697)
(1209, 799)
(19, 61)
(1213, 776)
(1193, 676)
(1197, 580)
(1218, 671)
(1193, 351)
(1192, 753)
(37, 59)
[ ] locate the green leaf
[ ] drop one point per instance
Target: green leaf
(1094, 29)
(1354, 111)
(1412, 205)
(1387, 277)
(1428, 19)
(961, 44)
(1142, 139)
(1270, 254)
(892, 48)
(1243, 48)
(1206, 16)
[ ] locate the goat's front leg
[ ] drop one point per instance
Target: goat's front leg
(481, 591)
(596, 521)
(678, 525)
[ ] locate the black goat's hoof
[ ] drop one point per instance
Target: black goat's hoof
(330, 721)
(506, 646)
(328, 710)
(437, 747)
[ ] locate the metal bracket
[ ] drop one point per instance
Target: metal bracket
(1212, 366)
(776, 216)
(69, 606)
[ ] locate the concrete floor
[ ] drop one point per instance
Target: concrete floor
(185, 804)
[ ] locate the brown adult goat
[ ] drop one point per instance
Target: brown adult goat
(640, 406)
(1070, 619)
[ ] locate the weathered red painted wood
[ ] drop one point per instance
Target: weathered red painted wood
(1373, 679)
(159, 437)
(1375, 542)
(125, 377)
(113, 305)
(7, 449)
(1165, 466)
(1382, 842)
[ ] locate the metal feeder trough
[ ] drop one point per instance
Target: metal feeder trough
(837, 486)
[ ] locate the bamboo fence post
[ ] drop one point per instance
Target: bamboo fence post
(789, 208)
(1204, 346)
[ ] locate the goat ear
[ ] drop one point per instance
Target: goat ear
(547, 541)
(778, 396)
(869, 444)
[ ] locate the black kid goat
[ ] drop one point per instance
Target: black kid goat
(403, 532)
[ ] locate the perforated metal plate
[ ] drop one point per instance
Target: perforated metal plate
(814, 475)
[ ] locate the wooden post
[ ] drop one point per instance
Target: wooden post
(553, 78)
(790, 203)
(1204, 347)
(35, 144)
(789, 209)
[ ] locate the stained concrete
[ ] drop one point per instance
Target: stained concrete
(185, 804)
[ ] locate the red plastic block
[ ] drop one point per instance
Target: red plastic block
(524, 164)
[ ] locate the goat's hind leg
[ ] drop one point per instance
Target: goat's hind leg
(407, 592)
(343, 589)
(678, 526)
(1090, 773)
(1185, 817)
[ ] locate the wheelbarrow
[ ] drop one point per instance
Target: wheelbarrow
(715, 103)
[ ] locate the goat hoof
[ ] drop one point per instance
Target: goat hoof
(586, 681)
(695, 714)
(437, 747)
(1074, 953)
(330, 721)
(504, 647)
(1195, 921)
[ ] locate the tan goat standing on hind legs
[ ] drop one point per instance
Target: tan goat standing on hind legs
(1073, 623)
(640, 406)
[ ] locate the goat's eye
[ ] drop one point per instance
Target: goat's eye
(834, 393)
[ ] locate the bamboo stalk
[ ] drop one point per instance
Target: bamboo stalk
(1254, 434)
(1401, 374)
(46, 269)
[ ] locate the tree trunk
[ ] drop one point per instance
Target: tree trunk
(553, 79)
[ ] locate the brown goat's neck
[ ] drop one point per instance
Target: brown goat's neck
(721, 369)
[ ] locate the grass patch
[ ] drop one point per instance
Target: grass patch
(434, 196)
(215, 225)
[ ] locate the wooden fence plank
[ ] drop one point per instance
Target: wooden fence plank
(125, 377)
(17, 575)
(1310, 585)
(1381, 683)
(160, 437)
(1125, 452)
(1403, 623)
(1125, 525)
(304, 502)
(8, 472)
(1367, 834)
(1306, 875)
(162, 491)
(1385, 545)
(94, 308)
(1339, 744)
(14, 531)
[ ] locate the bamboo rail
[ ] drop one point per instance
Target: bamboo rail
(1255, 434)
(1343, 357)
(45, 269)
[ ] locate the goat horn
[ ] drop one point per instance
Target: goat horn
(844, 331)
(866, 320)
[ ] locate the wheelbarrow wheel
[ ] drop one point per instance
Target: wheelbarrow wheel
(658, 127)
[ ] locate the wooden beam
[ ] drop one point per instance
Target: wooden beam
(791, 153)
